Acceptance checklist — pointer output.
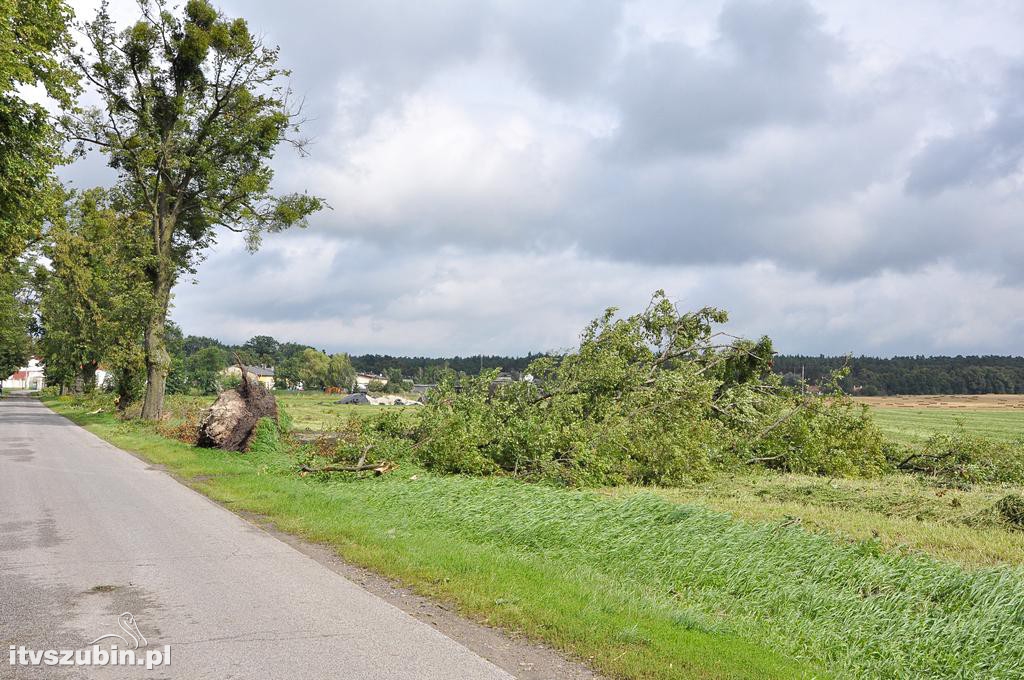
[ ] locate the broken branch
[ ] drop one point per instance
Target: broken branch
(377, 468)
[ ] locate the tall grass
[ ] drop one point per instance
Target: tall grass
(854, 609)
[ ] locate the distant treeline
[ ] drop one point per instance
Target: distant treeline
(428, 369)
(870, 376)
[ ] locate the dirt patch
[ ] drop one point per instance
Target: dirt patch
(102, 589)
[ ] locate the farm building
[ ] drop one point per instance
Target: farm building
(29, 377)
(265, 374)
(363, 380)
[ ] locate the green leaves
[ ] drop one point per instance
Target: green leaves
(15, 317)
(33, 33)
(95, 297)
(659, 397)
(192, 113)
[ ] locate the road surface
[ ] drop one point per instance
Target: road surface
(89, 532)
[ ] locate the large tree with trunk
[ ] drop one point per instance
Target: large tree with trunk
(193, 111)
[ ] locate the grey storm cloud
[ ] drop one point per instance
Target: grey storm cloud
(768, 65)
(747, 146)
(491, 162)
(977, 156)
(392, 47)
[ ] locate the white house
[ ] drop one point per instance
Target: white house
(29, 377)
(363, 380)
(33, 377)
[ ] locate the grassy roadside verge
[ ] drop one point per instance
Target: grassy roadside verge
(386, 524)
(641, 587)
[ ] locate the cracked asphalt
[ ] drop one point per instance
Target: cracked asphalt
(88, 532)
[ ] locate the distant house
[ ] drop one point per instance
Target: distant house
(265, 374)
(363, 380)
(31, 377)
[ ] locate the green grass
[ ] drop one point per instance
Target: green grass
(910, 425)
(316, 411)
(641, 586)
(311, 411)
(900, 512)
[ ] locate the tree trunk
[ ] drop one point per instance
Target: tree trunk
(87, 374)
(158, 361)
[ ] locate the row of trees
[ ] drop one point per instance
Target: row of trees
(197, 361)
(192, 107)
(871, 376)
(33, 35)
(434, 369)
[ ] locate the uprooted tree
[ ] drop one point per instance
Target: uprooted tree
(230, 422)
(657, 397)
(192, 112)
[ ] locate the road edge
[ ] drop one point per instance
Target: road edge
(521, 657)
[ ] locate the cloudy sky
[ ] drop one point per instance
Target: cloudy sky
(845, 176)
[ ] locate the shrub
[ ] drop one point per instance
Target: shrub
(49, 392)
(381, 438)
(964, 458)
(1011, 509)
(182, 415)
(284, 420)
(826, 436)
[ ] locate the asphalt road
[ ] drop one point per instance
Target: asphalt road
(88, 532)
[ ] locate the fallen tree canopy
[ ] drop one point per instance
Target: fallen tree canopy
(654, 398)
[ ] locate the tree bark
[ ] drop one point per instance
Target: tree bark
(158, 361)
(87, 375)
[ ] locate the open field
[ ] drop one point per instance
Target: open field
(912, 419)
(962, 402)
(316, 411)
(804, 577)
(310, 411)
